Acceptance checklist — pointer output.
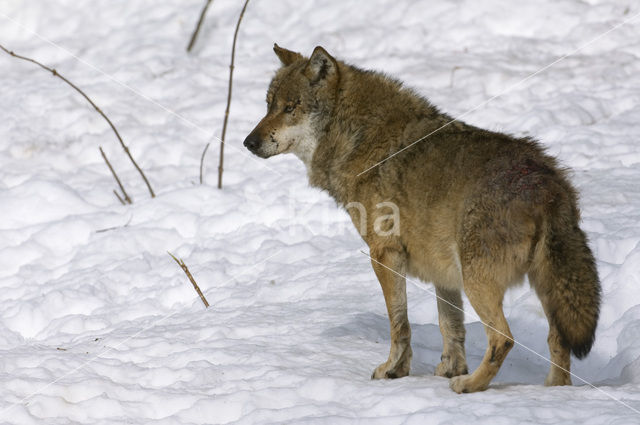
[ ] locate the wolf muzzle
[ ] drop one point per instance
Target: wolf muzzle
(253, 142)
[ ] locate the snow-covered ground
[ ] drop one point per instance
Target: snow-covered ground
(102, 327)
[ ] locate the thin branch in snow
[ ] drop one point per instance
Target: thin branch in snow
(453, 71)
(204, 152)
(127, 199)
(196, 31)
(119, 197)
(193, 281)
(108, 229)
(226, 113)
(76, 88)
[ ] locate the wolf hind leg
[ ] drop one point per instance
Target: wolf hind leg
(559, 350)
(560, 359)
(486, 298)
(389, 265)
(451, 321)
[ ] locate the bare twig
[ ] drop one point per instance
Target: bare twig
(108, 229)
(196, 31)
(453, 71)
(56, 74)
(204, 152)
(115, 176)
(193, 281)
(226, 113)
(119, 197)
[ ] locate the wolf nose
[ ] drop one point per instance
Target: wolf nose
(252, 142)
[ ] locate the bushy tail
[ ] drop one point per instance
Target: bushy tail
(567, 279)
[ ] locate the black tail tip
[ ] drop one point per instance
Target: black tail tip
(581, 350)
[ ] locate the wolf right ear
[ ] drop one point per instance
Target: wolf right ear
(287, 57)
(321, 67)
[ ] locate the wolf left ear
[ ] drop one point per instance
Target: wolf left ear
(287, 57)
(321, 66)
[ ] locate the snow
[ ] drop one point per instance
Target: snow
(98, 325)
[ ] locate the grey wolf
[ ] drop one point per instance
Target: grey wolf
(478, 210)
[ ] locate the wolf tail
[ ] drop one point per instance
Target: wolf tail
(565, 275)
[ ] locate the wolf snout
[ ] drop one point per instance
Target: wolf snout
(252, 142)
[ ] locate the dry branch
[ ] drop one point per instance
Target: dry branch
(76, 88)
(204, 152)
(127, 199)
(193, 281)
(119, 197)
(108, 229)
(226, 113)
(196, 31)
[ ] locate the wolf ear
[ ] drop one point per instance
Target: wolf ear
(321, 66)
(287, 57)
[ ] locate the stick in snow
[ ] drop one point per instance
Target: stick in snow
(204, 152)
(108, 229)
(119, 197)
(193, 281)
(196, 31)
(113, 127)
(226, 113)
(127, 199)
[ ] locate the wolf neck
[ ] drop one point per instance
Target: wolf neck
(343, 136)
(337, 132)
(305, 151)
(372, 116)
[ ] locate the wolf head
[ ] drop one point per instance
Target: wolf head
(299, 104)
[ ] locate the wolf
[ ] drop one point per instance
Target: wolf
(478, 210)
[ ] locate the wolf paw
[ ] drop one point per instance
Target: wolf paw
(384, 371)
(465, 384)
(449, 367)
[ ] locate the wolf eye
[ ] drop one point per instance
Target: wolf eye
(289, 108)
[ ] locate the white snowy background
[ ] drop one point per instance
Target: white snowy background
(102, 327)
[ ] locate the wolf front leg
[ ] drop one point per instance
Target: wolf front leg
(390, 267)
